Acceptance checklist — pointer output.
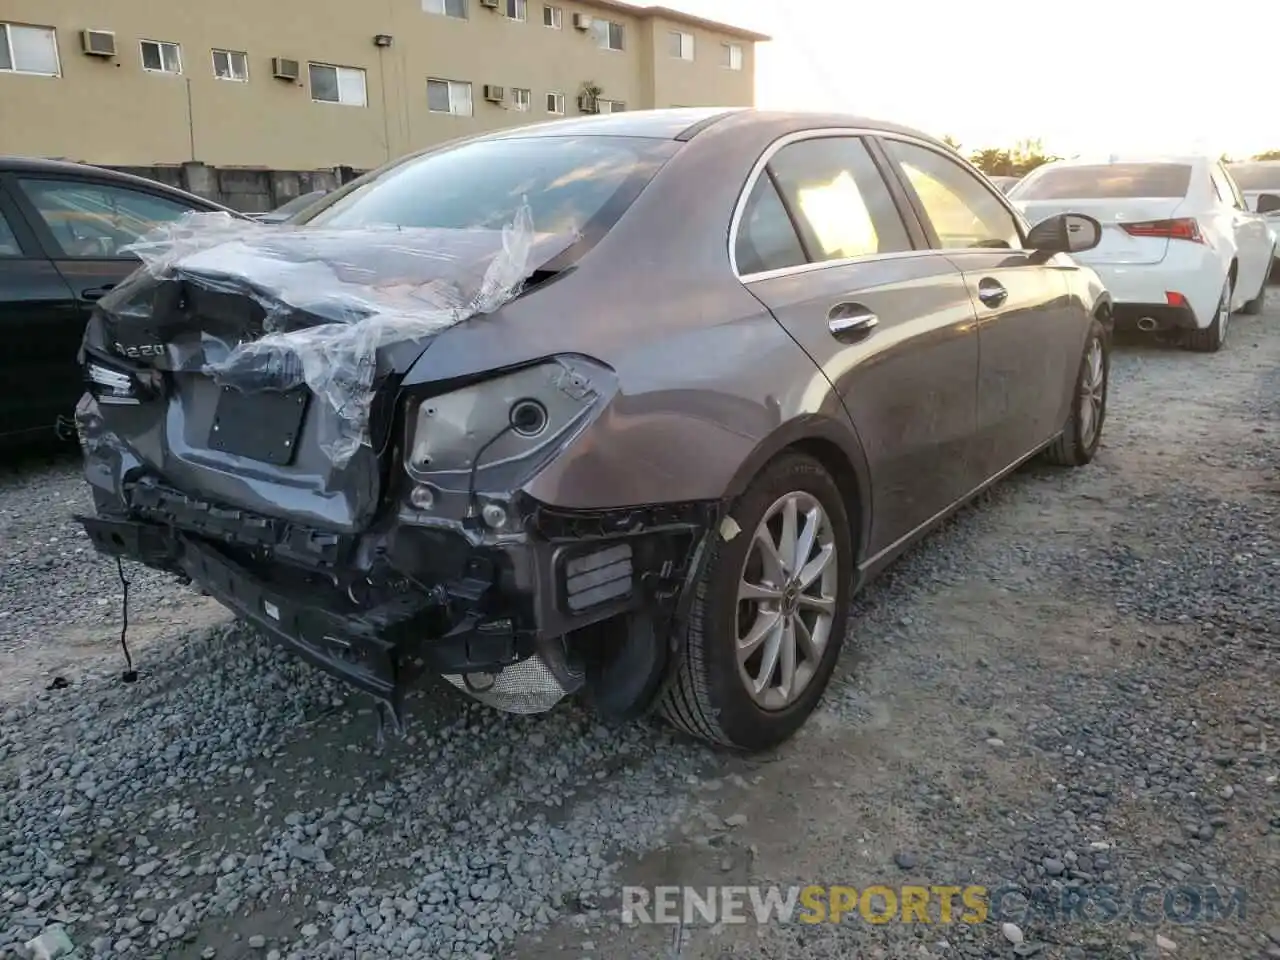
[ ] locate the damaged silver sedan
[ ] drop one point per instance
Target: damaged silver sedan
(623, 405)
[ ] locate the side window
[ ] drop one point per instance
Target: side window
(1222, 185)
(1232, 194)
(963, 210)
(840, 201)
(8, 242)
(766, 238)
(95, 220)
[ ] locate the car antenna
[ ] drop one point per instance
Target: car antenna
(130, 675)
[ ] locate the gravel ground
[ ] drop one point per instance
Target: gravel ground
(1073, 684)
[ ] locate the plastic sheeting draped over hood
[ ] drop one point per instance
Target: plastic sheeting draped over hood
(328, 300)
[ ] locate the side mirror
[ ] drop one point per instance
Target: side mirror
(1268, 203)
(1065, 233)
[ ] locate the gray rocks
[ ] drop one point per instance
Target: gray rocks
(1098, 621)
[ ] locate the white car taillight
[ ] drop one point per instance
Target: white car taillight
(1182, 228)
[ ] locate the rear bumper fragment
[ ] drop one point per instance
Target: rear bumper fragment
(427, 602)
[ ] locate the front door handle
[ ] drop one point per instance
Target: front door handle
(850, 322)
(992, 292)
(96, 293)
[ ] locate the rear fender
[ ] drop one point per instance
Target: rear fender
(832, 441)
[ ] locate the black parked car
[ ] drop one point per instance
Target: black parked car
(61, 229)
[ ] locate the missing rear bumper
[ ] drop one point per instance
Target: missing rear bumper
(504, 624)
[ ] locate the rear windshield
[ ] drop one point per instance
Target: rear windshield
(1256, 176)
(572, 185)
(299, 203)
(1107, 180)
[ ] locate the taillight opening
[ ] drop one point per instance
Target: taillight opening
(1181, 228)
(111, 386)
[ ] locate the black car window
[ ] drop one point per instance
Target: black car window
(766, 238)
(835, 191)
(8, 242)
(93, 220)
(964, 211)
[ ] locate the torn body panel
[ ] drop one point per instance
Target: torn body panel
(506, 617)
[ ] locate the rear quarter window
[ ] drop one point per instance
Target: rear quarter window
(1107, 181)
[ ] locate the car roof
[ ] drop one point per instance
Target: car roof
(1102, 161)
(20, 165)
(683, 123)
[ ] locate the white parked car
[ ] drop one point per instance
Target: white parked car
(1180, 249)
(1256, 179)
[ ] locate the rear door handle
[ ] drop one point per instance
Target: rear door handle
(96, 293)
(850, 322)
(992, 292)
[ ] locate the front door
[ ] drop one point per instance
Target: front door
(1029, 335)
(823, 244)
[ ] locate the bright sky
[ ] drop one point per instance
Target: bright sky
(1084, 76)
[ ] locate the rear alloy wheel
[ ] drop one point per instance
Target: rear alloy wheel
(1212, 337)
(768, 619)
(1083, 430)
(1254, 306)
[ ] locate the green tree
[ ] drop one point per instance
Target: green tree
(1027, 155)
(1267, 155)
(951, 142)
(993, 161)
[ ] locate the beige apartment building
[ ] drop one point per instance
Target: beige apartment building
(311, 84)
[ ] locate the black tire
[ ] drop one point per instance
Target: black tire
(705, 696)
(1254, 306)
(1211, 338)
(1073, 448)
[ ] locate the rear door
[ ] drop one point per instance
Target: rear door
(84, 223)
(831, 249)
(38, 318)
(1254, 240)
(1030, 333)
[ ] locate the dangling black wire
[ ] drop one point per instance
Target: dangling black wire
(130, 674)
(475, 467)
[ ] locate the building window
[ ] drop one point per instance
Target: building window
(344, 85)
(555, 103)
(608, 33)
(731, 55)
(449, 96)
(28, 50)
(681, 45)
(517, 10)
(521, 99)
(231, 65)
(161, 57)
(610, 106)
(446, 8)
(552, 17)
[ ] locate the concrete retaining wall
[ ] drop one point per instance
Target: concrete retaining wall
(244, 189)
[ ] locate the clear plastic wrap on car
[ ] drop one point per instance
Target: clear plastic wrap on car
(331, 300)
